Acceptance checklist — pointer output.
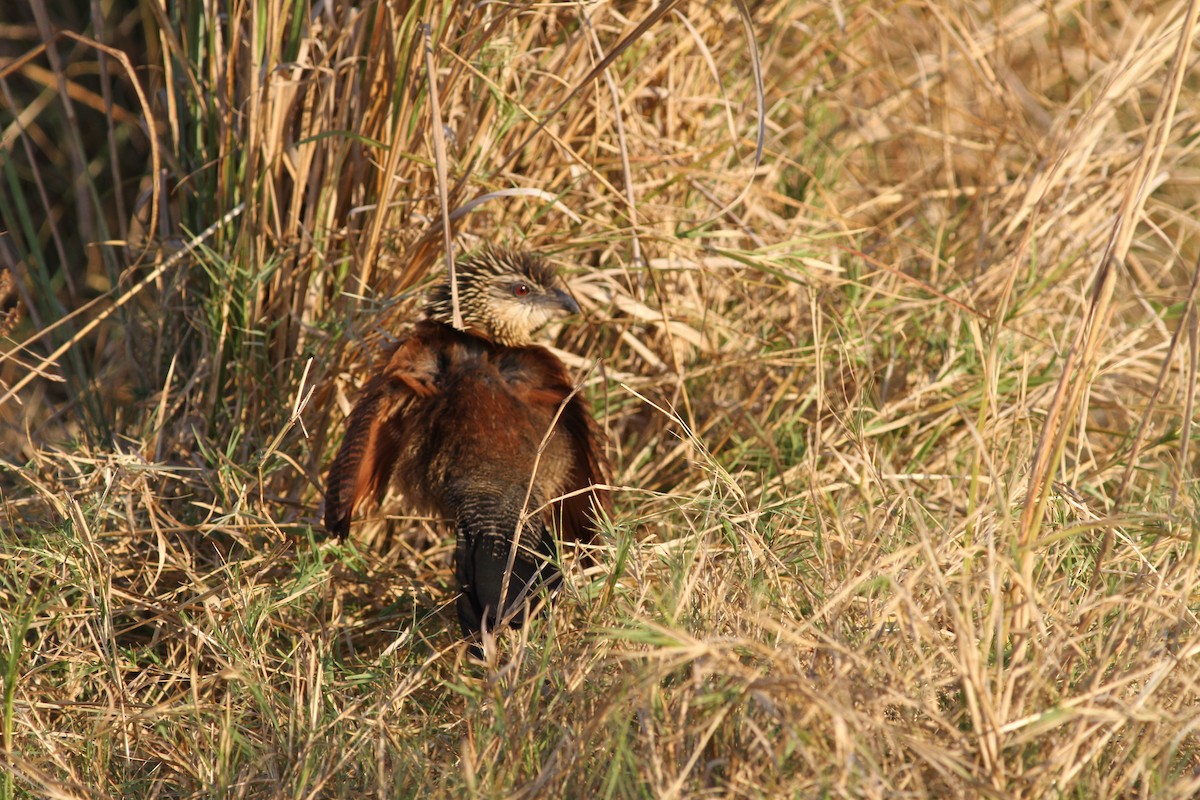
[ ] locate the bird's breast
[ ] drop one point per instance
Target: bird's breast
(490, 423)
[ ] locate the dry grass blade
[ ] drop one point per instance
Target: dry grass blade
(1090, 335)
(174, 260)
(622, 144)
(901, 400)
(1185, 320)
(659, 11)
(439, 161)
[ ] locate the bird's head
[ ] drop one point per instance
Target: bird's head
(503, 296)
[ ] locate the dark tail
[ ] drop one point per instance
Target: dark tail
(492, 593)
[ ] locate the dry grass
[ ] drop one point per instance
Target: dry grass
(902, 414)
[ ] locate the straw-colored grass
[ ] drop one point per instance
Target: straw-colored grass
(901, 408)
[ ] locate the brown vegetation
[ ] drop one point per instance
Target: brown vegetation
(902, 410)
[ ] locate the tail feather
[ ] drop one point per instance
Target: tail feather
(492, 593)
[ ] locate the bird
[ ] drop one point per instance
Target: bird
(483, 428)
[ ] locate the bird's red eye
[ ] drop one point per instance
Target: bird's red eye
(520, 289)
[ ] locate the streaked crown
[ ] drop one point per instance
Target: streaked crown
(503, 295)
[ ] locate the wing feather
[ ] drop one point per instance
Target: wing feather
(375, 433)
(578, 514)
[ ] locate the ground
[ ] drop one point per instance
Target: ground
(888, 314)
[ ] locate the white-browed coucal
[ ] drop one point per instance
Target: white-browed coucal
(482, 428)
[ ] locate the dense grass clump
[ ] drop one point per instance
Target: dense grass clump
(889, 312)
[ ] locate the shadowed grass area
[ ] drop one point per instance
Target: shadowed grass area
(901, 414)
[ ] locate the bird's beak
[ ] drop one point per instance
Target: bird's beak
(564, 301)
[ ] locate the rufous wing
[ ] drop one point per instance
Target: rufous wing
(579, 513)
(375, 432)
